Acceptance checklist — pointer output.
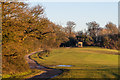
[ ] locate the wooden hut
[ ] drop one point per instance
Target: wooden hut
(79, 44)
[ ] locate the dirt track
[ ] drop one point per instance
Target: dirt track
(48, 72)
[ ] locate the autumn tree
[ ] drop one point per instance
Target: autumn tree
(25, 30)
(111, 28)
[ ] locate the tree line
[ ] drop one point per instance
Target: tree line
(107, 37)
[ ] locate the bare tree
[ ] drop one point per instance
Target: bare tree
(70, 26)
(93, 28)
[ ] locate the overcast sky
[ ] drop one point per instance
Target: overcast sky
(80, 12)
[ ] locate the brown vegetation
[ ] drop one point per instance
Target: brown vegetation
(25, 30)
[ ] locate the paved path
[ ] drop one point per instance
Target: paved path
(48, 72)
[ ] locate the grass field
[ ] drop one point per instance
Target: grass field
(87, 62)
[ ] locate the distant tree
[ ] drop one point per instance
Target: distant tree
(70, 34)
(93, 28)
(111, 28)
(70, 26)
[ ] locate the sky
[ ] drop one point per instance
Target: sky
(80, 12)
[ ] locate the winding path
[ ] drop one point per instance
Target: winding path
(48, 72)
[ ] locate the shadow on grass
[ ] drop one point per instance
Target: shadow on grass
(116, 75)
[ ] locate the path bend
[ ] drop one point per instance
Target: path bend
(47, 72)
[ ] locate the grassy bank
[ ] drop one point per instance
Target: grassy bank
(87, 62)
(23, 75)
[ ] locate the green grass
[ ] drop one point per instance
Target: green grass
(22, 75)
(87, 62)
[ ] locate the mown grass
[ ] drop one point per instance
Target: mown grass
(87, 62)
